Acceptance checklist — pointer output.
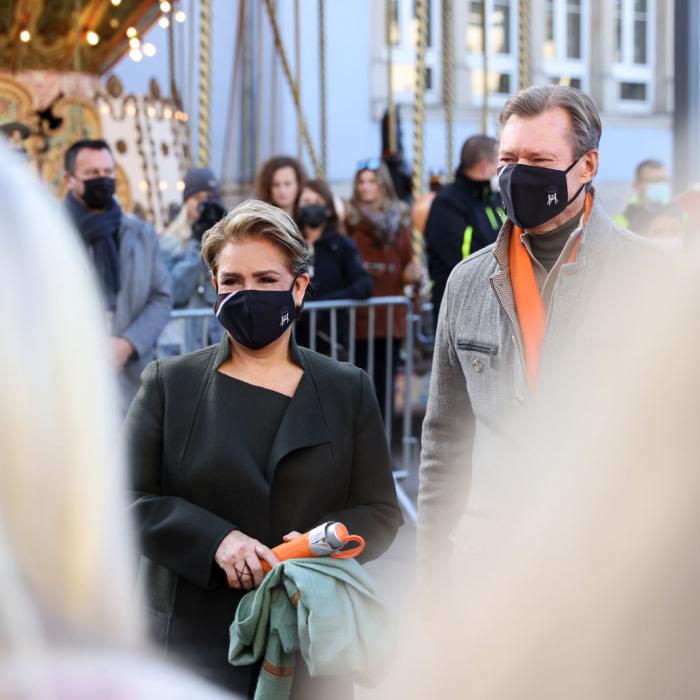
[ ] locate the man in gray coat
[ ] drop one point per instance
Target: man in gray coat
(510, 312)
(126, 257)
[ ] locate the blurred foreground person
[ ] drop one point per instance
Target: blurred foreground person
(509, 308)
(235, 447)
(70, 627)
(586, 586)
(125, 254)
(279, 182)
(335, 267)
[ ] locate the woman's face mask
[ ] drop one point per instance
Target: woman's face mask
(255, 318)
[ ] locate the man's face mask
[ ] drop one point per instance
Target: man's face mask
(98, 192)
(533, 195)
(255, 318)
(657, 192)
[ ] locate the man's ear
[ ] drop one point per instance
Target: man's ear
(591, 161)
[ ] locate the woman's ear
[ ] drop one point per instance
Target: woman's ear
(300, 285)
(214, 283)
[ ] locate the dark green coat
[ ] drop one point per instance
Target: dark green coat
(328, 461)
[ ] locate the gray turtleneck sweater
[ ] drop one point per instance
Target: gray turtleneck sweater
(547, 247)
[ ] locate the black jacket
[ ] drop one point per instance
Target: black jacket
(328, 461)
(458, 206)
(338, 273)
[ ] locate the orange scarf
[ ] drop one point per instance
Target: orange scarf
(528, 301)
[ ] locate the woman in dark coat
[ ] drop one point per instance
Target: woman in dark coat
(336, 269)
(236, 446)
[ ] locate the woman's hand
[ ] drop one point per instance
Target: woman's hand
(239, 556)
(412, 273)
(291, 536)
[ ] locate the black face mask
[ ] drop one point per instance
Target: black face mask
(99, 192)
(255, 318)
(312, 215)
(533, 195)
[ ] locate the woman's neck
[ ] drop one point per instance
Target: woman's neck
(274, 355)
(312, 234)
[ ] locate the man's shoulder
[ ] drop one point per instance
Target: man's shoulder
(482, 263)
(138, 227)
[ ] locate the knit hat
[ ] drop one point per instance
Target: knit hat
(200, 180)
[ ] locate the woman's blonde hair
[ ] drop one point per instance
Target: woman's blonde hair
(65, 536)
(254, 218)
(387, 192)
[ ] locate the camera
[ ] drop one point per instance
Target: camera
(210, 211)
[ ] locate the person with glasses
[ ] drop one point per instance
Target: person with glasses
(380, 226)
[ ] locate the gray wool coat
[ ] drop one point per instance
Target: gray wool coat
(479, 401)
(144, 301)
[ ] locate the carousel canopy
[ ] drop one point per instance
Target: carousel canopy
(87, 36)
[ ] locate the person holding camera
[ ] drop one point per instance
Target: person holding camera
(202, 207)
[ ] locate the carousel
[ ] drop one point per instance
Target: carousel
(55, 88)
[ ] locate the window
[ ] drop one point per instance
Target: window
(566, 39)
(403, 31)
(634, 52)
(501, 46)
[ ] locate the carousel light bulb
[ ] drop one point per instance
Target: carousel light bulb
(104, 109)
(93, 38)
(143, 185)
(180, 185)
(164, 22)
(114, 22)
(135, 42)
(151, 111)
(180, 16)
(116, 3)
(149, 49)
(162, 185)
(168, 113)
(184, 117)
(25, 36)
(135, 55)
(131, 32)
(165, 7)
(131, 110)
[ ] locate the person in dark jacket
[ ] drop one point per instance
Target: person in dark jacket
(465, 215)
(336, 269)
(236, 447)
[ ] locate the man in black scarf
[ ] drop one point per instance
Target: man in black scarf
(125, 254)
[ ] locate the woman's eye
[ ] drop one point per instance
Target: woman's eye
(268, 280)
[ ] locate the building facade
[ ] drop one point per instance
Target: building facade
(619, 51)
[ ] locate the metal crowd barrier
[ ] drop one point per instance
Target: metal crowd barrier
(186, 319)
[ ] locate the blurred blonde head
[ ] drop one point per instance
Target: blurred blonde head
(65, 549)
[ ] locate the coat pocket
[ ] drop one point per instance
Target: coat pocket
(473, 346)
(482, 351)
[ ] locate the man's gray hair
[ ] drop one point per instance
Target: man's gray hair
(585, 120)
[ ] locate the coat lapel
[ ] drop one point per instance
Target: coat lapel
(304, 424)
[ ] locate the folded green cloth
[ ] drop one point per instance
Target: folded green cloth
(325, 609)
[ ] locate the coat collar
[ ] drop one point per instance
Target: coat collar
(304, 422)
(597, 234)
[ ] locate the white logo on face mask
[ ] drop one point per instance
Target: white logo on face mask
(284, 319)
(552, 199)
